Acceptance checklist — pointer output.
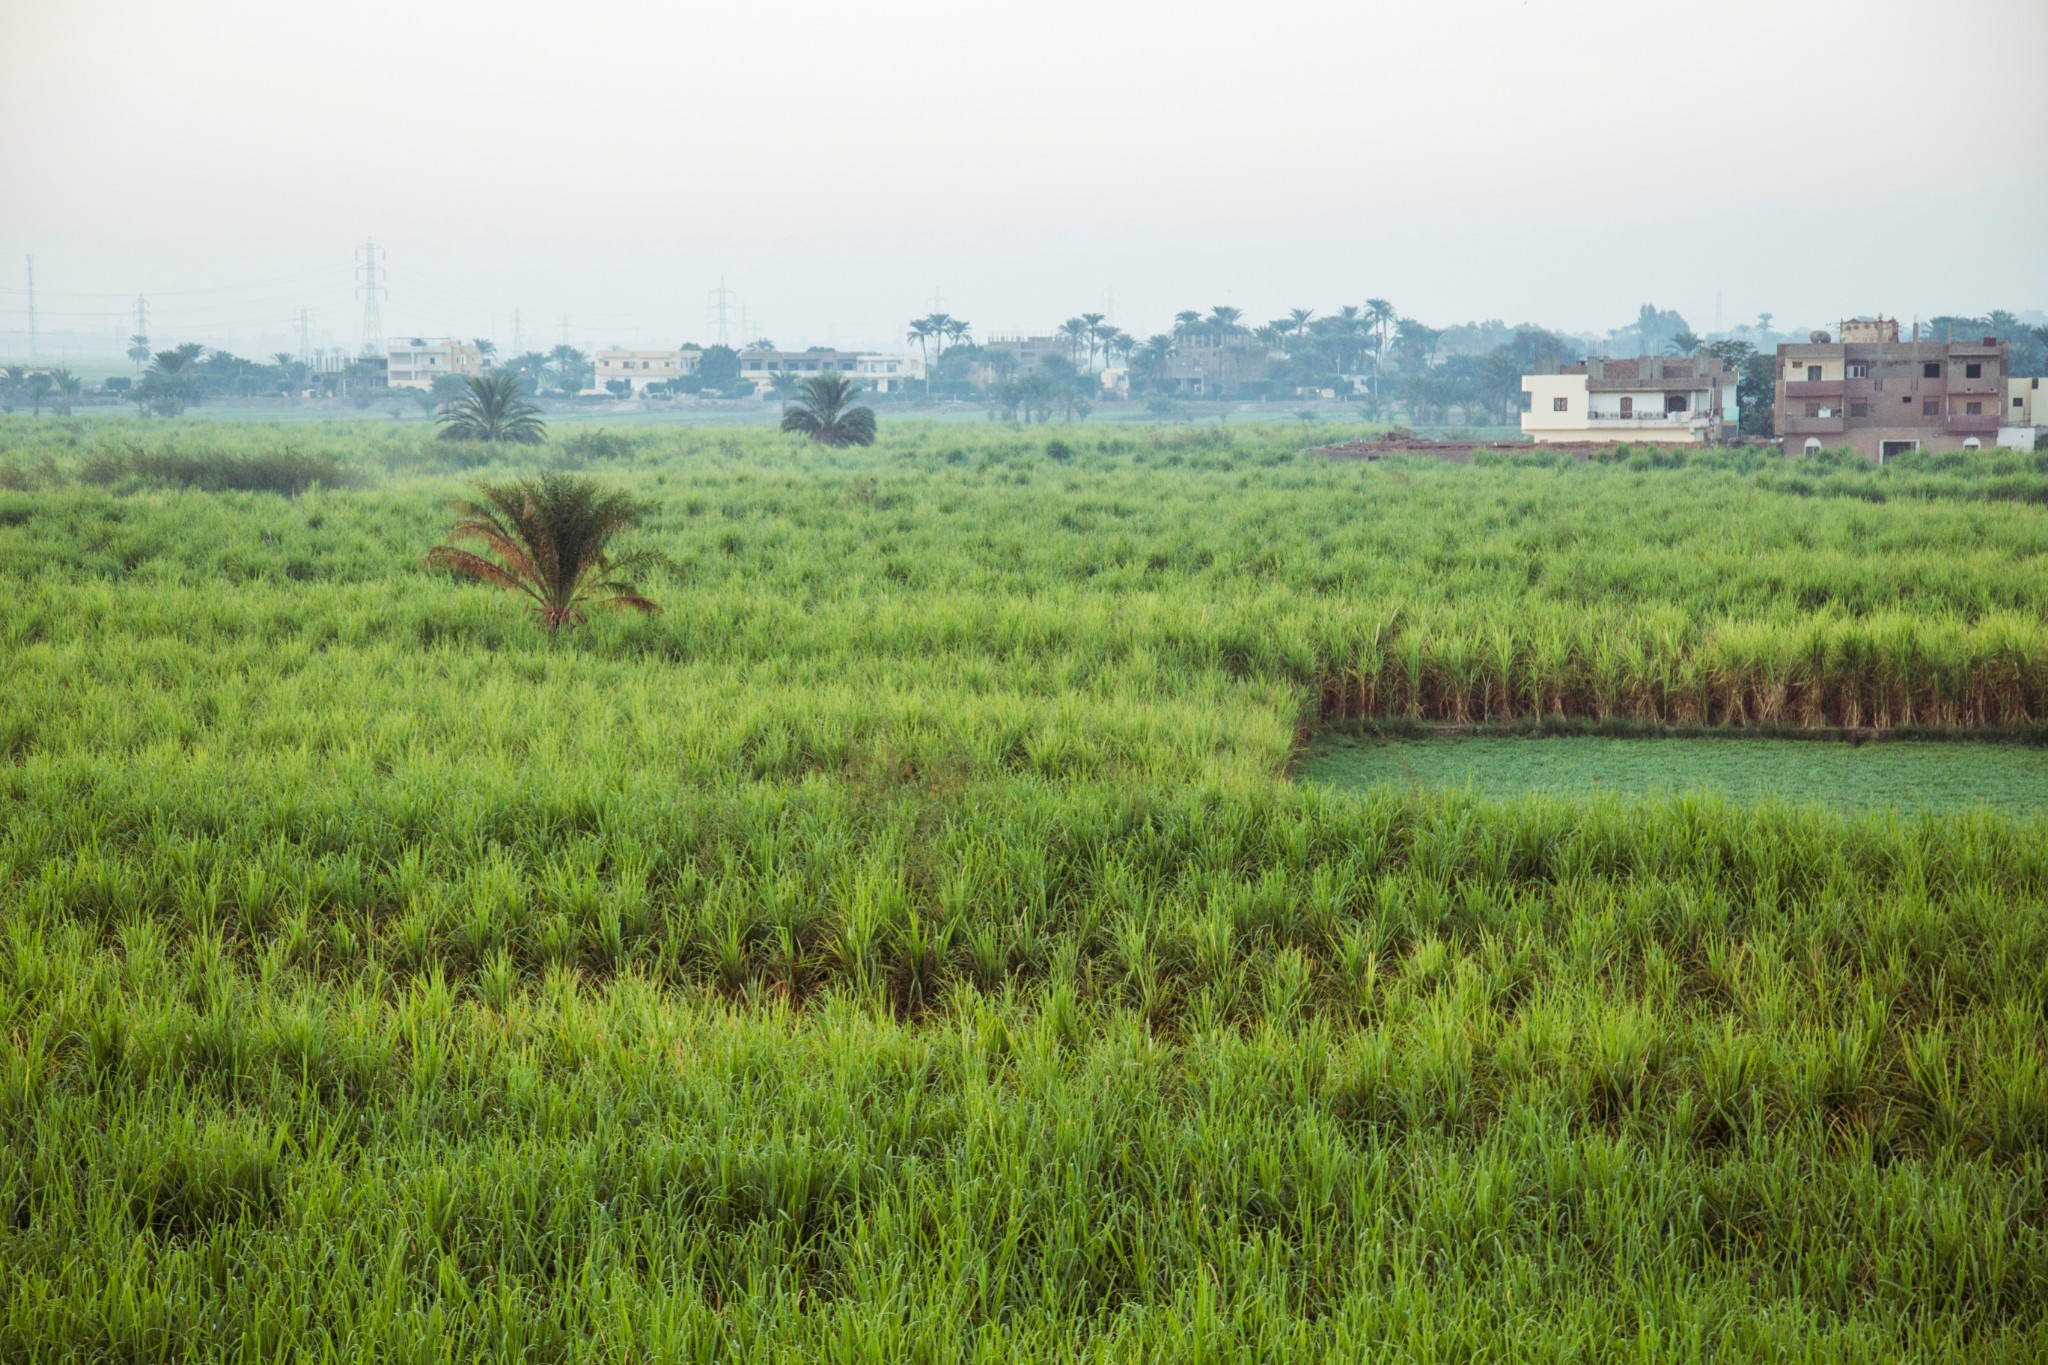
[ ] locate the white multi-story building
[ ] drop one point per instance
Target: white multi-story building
(1682, 399)
(638, 369)
(875, 371)
(416, 362)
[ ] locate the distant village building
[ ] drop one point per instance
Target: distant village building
(1025, 354)
(877, 372)
(1213, 365)
(1882, 397)
(416, 362)
(638, 369)
(2025, 419)
(1686, 400)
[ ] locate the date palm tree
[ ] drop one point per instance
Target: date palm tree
(920, 332)
(1074, 332)
(68, 387)
(550, 539)
(822, 414)
(493, 410)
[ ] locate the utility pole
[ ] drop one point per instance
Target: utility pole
(32, 306)
(518, 337)
(721, 297)
(305, 336)
(369, 258)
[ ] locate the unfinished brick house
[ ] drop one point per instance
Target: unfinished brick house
(1882, 396)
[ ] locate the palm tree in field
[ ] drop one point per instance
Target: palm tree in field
(1380, 318)
(68, 387)
(1299, 318)
(550, 538)
(921, 333)
(957, 331)
(822, 414)
(487, 348)
(493, 410)
(1074, 332)
(1223, 318)
(39, 386)
(1682, 342)
(1186, 321)
(138, 351)
(1093, 321)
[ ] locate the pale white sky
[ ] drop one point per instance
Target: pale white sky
(1538, 160)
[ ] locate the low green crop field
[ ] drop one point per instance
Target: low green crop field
(914, 942)
(1905, 776)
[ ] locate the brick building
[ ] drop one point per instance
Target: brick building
(1882, 396)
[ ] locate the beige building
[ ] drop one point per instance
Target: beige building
(1684, 400)
(416, 362)
(637, 369)
(2025, 420)
(876, 372)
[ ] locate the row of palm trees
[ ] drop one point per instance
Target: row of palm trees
(937, 330)
(1089, 335)
(58, 386)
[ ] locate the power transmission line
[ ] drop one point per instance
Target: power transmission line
(369, 256)
(31, 306)
(720, 312)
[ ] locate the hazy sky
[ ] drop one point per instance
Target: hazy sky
(1523, 159)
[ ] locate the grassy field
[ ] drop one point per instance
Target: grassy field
(1906, 776)
(912, 945)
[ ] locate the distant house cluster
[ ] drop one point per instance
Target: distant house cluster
(1870, 390)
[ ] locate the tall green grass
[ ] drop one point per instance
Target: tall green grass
(909, 945)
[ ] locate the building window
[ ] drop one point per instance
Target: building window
(1859, 370)
(1676, 402)
(1859, 409)
(1931, 370)
(1628, 406)
(1973, 370)
(2019, 402)
(1930, 407)
(1813, 409)
(1560, 404)
(1812, 373)
(1973, 409)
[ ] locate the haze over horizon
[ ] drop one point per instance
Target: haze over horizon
(1552, 163)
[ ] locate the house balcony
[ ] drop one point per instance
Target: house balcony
(1813, 388)
(1812, 426)
(1965, 424)
(1637, 420)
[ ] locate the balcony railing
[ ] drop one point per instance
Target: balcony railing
(1813, 426)
(1979, 424)
(1651, 418)
(1813, 388)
